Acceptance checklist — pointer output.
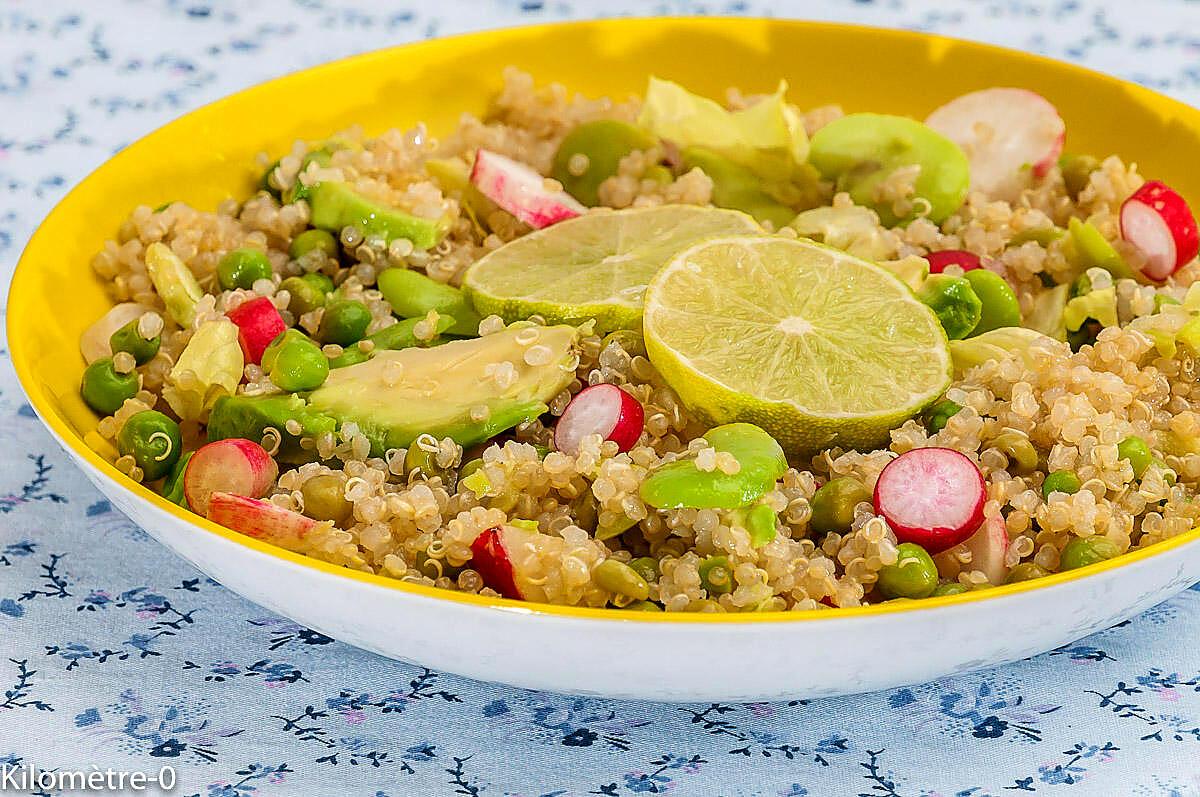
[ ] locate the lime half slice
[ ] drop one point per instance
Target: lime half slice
(594, 266)
(815, 346)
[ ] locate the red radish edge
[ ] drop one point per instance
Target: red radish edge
(1160, 224)
(521, 191)
(932, 497)
(259, 519)
(491, 561)
(603, 409)
(237, 466)
(967, 261)
(1002, 130)
(258, 324)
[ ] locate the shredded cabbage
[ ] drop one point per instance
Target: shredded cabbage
(995, 345)
(912, 270)
(174, 282)
(1046, 315)
(1099, 304)
(854, 229)
(209, 367)
(768, 137)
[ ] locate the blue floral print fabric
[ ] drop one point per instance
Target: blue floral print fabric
(115, 654)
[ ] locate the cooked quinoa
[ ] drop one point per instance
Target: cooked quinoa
(1074, 408)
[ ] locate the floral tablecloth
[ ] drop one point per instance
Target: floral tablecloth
(115, 654)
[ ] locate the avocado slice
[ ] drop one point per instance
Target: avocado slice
(248, 417)
(442, 390)
(336, 205)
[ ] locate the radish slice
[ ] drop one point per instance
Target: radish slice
(1160, 224)
(94, 342)
(931, 496)
(988, 548)
(522, 191)
(260, 519)
(967, 261)
(258, 324)
(606, 410)
(1006, 133)
(237, 466)
(490, 560)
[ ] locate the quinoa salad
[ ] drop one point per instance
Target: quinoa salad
(670, 353)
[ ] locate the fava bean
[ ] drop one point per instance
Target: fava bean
(412, 295)
(998, 303)
(954, 302)
(620, 578)
(294, 363)
(682, 484)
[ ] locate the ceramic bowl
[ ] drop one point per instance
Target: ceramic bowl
(208, 155)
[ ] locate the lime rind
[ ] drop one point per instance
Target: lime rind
(816, 346)
(595, 266)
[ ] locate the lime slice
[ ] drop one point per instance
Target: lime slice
(594, 266)
(815, 346)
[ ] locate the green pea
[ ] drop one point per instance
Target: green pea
(620, 578)
(1135, 450)
(939, 414)
(716, 575)
(954, 302)
(325, 498)
(1026, 571)
(646, 567)
(128, 339)
(643, 606)
(172, 486)
(950, 588)
(602, 144)
(412, 295)
(294, 363)
(345, 322)
(629, 340)
(309, 240)
(1163, 299)
(1061, 481)
(105, 390)
(1081, 552)
(153, 440)
(999, 305)
(304, 298)
(833, 504)
(1077, 171)
(913, 576)
(241, 267)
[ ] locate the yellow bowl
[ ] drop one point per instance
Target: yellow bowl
(208, 155)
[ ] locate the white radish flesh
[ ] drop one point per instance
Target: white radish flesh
(93, 343)
(522, 191)
(988, 548)
(604, 409)
(931, 496)
(237, 466)
(260, 519)
(1009, 136)
(1160, 224)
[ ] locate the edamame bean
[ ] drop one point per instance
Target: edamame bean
(129, 339)
(716, 575)
(401, 335)
(412, 295)
(939, 414)
(620, 578)
(646, 567)
(1083, 551)
(325, 498)
(1061, 481)
(1026, 571)
(153, 440)
(304, 297)
(643, 606)
(241, 267)
(105, 390)
(833, 504)
(1022, 456)
(345, 322)
(913, 576)
(998, 303)
(950, 588)
(309, 240)
(294, 363)
(1135, 450)
(954, 302)
(592, 152)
